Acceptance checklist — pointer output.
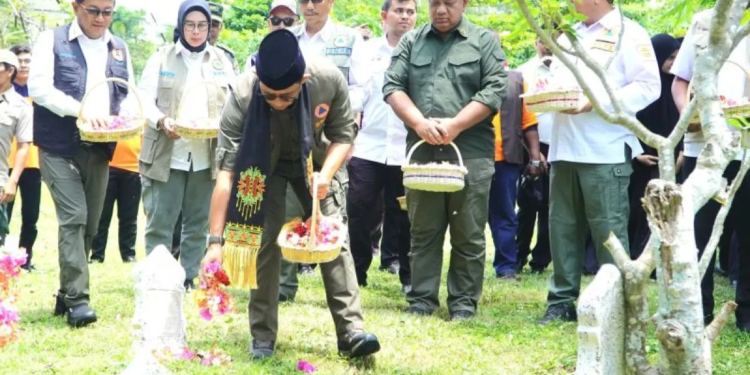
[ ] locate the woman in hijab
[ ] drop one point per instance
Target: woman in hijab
(660, 117)
(176, 173)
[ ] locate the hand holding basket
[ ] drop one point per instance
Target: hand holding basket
(196, 128)
(119, 128)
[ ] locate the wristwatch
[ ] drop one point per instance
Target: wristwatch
(536, 163)
(215, 239)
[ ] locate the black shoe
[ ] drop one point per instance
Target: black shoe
(414, 310)
(130, 259)
(562, 311)
(536, 271)
(81, 316)
(358, 344)
(263, 349)
(285, 298)
(189, 285)
(707, 319)
(509, 277)
(60, 308)
(28, 267)
(96, 260)
(461, 315)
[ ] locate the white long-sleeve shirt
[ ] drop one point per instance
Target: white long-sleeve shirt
(533, 71)
(358, 72)
(382, 138)
(186, 152)
(96, 52)
(588, 138)
(732, 81)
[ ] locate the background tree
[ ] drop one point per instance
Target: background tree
(131, 26)
(685, 345)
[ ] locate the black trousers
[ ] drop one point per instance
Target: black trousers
(124, 187)
(638, 230)
(527, 221)
(367, 180)
(30, 187)
(739, 217)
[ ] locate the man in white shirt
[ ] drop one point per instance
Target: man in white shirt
(537, 68)
(178, 174)
(69, 61)
(591, 158)
(281, 15)
(379, 152)
(734, 88)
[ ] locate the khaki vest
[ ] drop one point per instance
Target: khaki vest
(156, 154)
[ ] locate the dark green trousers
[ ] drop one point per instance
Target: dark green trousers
(584, 196)
(288, 283)
(339, 277)
(78, 187)
(465, 212)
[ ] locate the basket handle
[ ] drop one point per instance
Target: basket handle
(413, 148)
(133, 90)
(744, 69)
(311, 243)
(189, 89)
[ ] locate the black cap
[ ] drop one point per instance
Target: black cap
(280, 63)
(217, 11)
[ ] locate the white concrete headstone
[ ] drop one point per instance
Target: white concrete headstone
(159, 322)
(601, 325)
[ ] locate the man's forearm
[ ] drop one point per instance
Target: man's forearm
(679, 93)
(220, 202)
(22, 154)
(335, 158)
(531, 136)
(405, 109)
(472, 114)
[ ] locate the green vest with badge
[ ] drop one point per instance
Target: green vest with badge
(156, 152)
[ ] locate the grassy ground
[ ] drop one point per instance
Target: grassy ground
(503, 339)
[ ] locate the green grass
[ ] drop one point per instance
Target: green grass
(503, 339)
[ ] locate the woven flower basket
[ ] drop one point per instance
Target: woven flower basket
(552, 101)
(312, 252)
(132, 129)
(443, 177)
(741, 110)
(402, 203)
(196, 129)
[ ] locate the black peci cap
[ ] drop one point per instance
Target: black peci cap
(280, 63)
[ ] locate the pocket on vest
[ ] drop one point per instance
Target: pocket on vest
(148, 149)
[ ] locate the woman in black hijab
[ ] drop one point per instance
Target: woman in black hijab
(660, 117)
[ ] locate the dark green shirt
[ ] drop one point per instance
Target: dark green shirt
(442, 76)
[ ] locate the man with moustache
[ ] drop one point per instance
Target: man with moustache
(379, 152)
(69, 61)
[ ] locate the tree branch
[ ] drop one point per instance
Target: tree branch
(679, 130)
(714, 329)
(718, 227)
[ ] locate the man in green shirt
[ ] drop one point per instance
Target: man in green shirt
(284, 120)
(445, 82)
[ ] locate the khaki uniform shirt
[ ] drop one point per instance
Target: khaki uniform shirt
(331, 115)
(442, 76)
(16, 118)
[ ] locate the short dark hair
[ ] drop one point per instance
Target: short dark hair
(18, 49)
(387, 4)
(15, 71)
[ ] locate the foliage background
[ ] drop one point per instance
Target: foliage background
(245, 23)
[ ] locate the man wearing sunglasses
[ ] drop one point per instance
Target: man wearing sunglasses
(283, 14)
(270, 138)
(217, 24)
(68, 62)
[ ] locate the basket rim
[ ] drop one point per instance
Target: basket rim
(550, 92)
(281, 239)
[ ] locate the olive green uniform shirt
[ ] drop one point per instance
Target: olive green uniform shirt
(331, 117)
(443, 76)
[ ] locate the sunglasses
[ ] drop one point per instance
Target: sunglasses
(276, 21)
(283, 97)
(96, 12)
(24, 61)
(201, 26)
(310, 1)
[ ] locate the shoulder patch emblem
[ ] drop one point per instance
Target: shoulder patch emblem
(646, 51)
(341, 40)
(218, 65)
(117, 54)
(321, 111)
